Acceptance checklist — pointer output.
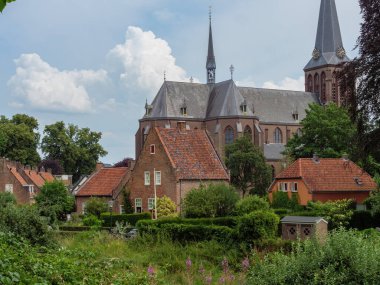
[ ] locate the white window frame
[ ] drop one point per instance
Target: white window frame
(150, 203)
(283, 186)
(294, 187)
(139, 204)
(121, 209)
(83, 208)
(152, 147)
(9, 188)
(158, 177)
(147, 178)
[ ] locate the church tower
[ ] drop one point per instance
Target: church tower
(327, 57)
(210, 64)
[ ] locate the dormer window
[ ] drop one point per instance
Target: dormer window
(243, 107)
(152, 148)
(148, 109)
(358, 181)
(183, 111)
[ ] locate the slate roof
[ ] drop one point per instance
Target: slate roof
(17, 176)
(192, 154)
(35, 178)
(302, 220)
(275, 106)
(103, 182)
(273, 151)
(329, 38)
(329, 174)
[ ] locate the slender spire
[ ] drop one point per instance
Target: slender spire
(210, 64)
(328, 45)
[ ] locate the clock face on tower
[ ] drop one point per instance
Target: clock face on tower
(210, 74)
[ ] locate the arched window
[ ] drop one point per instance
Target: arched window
(229, 135)
(248, 132)
(277, 135)
(316, 83)
(333, 89)
(309, 84)
(323, 88)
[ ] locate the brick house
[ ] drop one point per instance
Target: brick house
(106, 183)
(324, 179)
(176, 160)
(23, 182)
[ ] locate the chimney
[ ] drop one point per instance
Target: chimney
(181, 126)
(315, 158)
(345, 157)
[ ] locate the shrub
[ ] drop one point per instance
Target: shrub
(281, 200)
(25, 222)
(110, 220)
(166, 207)
(258, 225)
(6, 199)
(54, 201)
(214, 200)
(128, 208)
(250, 204)
(282, 212)
(373, 202)
(91, 221)
(96, 206)
(362, 220)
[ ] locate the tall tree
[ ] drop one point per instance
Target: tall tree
(19, 139)
(360, 82)
(327, 131)
(249, 172)
(3, 3)
(78, 150)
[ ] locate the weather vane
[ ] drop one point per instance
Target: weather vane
(232, 69)
(164, 75)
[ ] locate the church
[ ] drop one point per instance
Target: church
(269, 118)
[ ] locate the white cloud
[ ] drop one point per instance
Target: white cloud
(142, 60)
(41, 86)
(287, 84)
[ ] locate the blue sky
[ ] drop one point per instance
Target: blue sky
(94, 63)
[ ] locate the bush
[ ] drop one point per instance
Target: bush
(6, 199)
(250, 204)
(210, 201)
(283, 212)
(110, 220)
(25, 222)
(166, 207)
(96, 206)
(258, 225)
(54, 201)
(92, 221)
(362, 220)
(281, 200)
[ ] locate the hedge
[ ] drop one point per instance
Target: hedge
(132, 219)
(79, 228)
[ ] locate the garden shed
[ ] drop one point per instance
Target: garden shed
(294, 227)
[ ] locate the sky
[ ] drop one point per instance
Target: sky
(95, 63)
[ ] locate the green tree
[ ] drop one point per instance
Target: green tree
(327, 131)
(78, 150)
(3, 3)
(249, 172)
(7, 199)
(96, 206)
(214, 200)
(19, 139)
(54, 201)
(166, 207)
(128, 208)
(250, 204)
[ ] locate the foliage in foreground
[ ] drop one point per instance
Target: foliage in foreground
(346, 257)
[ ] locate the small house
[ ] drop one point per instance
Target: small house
(294, 227)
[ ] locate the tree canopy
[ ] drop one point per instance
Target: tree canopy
(78, 150)
(3, 3)
(19, 139)
(327, 131)
(249, 172)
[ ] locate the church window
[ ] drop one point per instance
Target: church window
(229, 135)
(316, 83)
(248, 132)
(277, 135)
(309, 83)
(243, 107)
(333, 88)
(323, 88)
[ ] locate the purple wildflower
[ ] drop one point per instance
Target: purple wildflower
(202, 270)
(188, 263)
(208, 279)
(245, 264)
(225, 265)
(222, 280)
(151, 271)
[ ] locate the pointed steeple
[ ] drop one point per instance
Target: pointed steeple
(329, 48)
(210, 64)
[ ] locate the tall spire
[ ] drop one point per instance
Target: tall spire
(328, 45)
(210, 64)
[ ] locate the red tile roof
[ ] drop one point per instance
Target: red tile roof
(35, 177)
(103, 182)
(192, 154)
(47, 176)
(329, 174)
(17, 176)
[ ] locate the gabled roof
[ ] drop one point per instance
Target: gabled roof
(192, 154)
(35, 177)
(47, 176)
(103, 182)
(302, 220)
(329, 174)
(17, 176)
(328, 43)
